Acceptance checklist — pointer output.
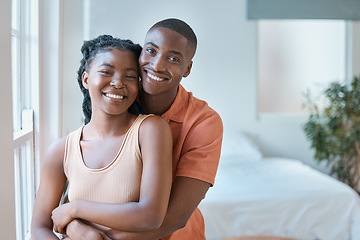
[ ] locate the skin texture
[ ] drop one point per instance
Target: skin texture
(167, 56)
(114, 72)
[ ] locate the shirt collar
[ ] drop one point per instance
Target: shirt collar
(177, 110)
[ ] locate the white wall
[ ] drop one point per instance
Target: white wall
(7, 206)
(224, 72)
(72, 39)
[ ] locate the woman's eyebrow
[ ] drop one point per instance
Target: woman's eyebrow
(132, 69)
(108, 65)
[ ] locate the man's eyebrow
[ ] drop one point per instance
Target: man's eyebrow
(176, 53)
(153, 44)
(171, 51)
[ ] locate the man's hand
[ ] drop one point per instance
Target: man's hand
(77, 230)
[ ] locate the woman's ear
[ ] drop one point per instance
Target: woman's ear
(188, 70)
(85, 78)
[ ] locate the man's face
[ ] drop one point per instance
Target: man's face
(164, 61)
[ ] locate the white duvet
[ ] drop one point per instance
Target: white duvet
(279, 197)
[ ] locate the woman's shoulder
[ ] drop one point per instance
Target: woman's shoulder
(153, 127)
(55, 151)
(153, 121)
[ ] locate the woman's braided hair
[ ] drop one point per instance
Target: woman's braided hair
(89, 51)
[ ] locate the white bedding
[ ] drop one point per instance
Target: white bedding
(279, 197)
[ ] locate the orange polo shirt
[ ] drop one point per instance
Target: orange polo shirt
(197, 135)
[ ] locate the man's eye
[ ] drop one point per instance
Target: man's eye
(150, 50)
(105, 72)
(174, 59)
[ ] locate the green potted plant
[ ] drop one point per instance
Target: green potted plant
(334, 130)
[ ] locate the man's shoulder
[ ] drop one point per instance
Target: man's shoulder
(199, 110)
(200, 106)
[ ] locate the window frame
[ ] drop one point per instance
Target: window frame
(25, 79)
(347, 66)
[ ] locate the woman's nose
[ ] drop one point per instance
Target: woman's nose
(117, 83)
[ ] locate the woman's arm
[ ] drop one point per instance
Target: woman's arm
(52, 182)
(148, 213)
(186, 195)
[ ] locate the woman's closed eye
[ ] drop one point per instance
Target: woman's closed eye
(132, 77)
(105, 72)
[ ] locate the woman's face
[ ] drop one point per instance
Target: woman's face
(113, 81)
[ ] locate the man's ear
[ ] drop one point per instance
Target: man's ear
(188, 70)
(84, 78)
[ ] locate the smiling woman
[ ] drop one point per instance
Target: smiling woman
(118, 165)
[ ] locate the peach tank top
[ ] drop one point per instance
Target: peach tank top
(119, 182)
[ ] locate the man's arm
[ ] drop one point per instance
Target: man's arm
(186, 195)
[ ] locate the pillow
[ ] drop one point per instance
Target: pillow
(236, 145)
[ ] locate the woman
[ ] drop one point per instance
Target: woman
(118, 165)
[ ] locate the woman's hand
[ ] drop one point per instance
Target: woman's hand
(62, 216)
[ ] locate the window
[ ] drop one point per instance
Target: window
(296, 56)
(24, 52)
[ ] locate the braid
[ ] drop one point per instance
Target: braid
(89, 51)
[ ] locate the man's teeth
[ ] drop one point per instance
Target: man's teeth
(155, 77)
(114, 96)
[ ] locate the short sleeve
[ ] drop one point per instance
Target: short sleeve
(201, 150)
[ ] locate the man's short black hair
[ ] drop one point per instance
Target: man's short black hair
(180, 27)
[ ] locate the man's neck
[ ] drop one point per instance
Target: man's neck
(156, 104)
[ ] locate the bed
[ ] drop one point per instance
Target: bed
(255, 196)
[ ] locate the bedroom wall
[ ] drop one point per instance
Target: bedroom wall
(224, 71)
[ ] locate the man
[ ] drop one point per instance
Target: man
(196, 128)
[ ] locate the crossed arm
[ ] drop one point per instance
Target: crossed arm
(185, 196)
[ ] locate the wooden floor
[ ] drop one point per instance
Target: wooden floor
(258, 238)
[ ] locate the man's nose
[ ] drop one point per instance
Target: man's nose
(157, 64)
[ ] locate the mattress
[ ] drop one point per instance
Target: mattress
(279, 197)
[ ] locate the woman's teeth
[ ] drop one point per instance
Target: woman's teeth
(114, 96)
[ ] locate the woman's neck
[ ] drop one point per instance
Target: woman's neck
(103, 125)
